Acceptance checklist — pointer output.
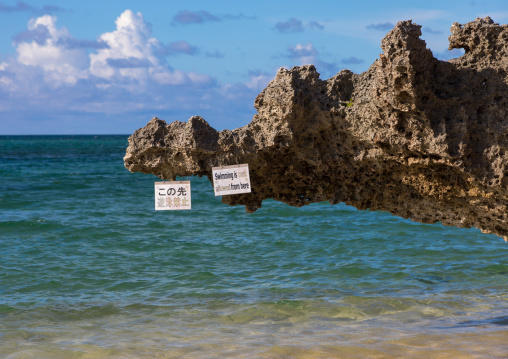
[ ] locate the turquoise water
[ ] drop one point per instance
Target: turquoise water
(88, 269)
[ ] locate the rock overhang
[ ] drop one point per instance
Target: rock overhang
(418, 137)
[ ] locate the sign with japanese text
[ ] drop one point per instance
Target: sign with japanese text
(231, 179)
(172, 195)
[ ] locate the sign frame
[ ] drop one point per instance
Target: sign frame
(231, 180)
(170, 195)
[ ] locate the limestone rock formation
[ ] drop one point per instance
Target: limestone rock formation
(418, 137)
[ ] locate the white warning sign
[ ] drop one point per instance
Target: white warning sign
(172, 195)
(231, 179)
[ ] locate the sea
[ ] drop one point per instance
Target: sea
(89, 269)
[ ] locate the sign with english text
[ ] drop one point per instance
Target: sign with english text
(231, 179)
(175, 195)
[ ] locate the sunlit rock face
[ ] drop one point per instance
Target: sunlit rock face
(418, 137)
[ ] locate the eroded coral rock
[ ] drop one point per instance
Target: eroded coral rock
(418, 137)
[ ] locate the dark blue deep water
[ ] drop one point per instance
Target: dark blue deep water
(88, 269)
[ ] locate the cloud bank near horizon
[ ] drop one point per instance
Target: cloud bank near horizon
(122, 71)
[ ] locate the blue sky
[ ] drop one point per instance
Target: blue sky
(108, 67)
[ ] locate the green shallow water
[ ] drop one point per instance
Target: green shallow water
(89, 270)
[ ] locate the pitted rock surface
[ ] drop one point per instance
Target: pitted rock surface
(418, 137)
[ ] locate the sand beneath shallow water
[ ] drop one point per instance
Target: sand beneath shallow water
(252, 341)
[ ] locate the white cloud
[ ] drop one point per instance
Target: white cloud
(258, 80)
(130, 41)
(132, 54)
(127, 58)
(304, 54)
(61, 65)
